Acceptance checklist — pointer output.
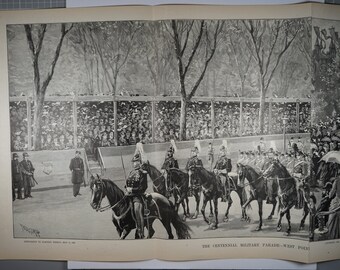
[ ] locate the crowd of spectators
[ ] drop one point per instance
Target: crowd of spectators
(18, 121)
(227, 119)
(326, 135)
(96, 127)
(167, 115)
(134, 122)
(281, 111)
(199, 121)
(56, 126)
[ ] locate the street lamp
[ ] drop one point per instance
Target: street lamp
(284, 119)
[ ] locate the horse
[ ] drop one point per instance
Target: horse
(288, 194)
(209, 185)
(179, 189)
(158, 207)
(258, 189)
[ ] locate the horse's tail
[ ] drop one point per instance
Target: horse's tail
(182, 229)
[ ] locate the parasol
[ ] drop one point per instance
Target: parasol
(332, 156)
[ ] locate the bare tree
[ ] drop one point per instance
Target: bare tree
(195, 43)
(113, 43)
(267, 42)
(35, 37)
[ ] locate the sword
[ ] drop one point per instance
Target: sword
(121, 157)
(34, 179)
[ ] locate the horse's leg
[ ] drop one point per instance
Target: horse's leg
(289, 228)
(187, 205)
(226, 215)
(216, 213)
(211, 210)
(273, 209)
(151, 230)
(240, 192)
(197, 195)
(205, 201)
(279, 226)
(249, 200)
(260, 203)
(305, 214)
(167, 225)
(125, 233)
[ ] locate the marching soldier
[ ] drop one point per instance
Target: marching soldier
(77, 169)
(169, 162)
(27, 173)
(16, 177)
(221, 170)
(136, 185)
(301, 174)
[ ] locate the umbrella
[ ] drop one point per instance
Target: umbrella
(332, 156)
(326, 139)
(335, 139)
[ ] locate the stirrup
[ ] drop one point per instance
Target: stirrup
(146, 212)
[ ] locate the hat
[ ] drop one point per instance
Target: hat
(25, 154)
(15, 155)
(78, 152)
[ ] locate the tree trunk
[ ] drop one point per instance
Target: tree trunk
(262, 107)
(38, 111)
(183, 119)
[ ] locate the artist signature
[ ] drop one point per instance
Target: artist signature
(31, 231)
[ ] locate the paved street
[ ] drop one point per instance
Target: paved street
(57, 214)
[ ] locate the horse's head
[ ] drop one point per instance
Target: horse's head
(98, 192)
(271, 168)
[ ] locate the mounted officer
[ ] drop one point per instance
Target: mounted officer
(136, 185)
(169, 162)
(221, 170)
(301, 174)
(194, 161)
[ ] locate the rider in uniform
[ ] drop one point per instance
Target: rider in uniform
(136, 185)
(169, 162)
(301, 174)
(195, 161)
(221, 170)
(210, 155)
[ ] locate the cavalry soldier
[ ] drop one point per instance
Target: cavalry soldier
(221, 170)
(136, 185)
(262, 146)
(27, 171)
(16, 177)
(77, 169)
(169, 162)
(195, 161)
(301, 174)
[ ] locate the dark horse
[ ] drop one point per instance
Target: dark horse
(179, 185)
(288, 193)
(208, 183)
(123, 218)
(258, 189)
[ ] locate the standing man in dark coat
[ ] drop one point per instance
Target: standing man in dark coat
(27, 171)
(16, 177)
(77, 169)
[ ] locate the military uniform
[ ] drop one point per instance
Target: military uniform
(17, 182)
(169, 162)
(27, 170)
(194, 161)
(77, 168)
(136, 185)
(221, 170)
